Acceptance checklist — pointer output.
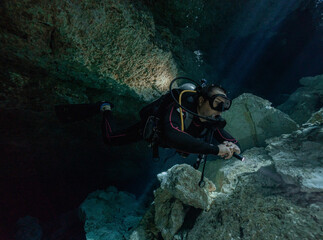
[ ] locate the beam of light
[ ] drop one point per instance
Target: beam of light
(258, 21)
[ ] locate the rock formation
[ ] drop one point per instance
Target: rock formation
(252, 120)
(276, 193)
(95, 45)
(298, 158)
(110, 214)
(178, 192)
(179, 188)
(305, 100)
(316, 117)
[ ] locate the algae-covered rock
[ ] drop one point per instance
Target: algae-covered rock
(252, 120)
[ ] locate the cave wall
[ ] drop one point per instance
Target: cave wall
(57, 52)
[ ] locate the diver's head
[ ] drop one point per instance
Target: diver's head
(212, 102)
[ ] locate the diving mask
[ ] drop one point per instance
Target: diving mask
(219, 102)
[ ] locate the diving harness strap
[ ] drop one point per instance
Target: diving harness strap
(209, 138)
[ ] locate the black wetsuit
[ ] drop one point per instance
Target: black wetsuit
(188, 141)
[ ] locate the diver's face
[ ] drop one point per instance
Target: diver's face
(204, 108)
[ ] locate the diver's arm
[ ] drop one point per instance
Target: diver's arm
(180, 140)
(224, 137)
(221, 135)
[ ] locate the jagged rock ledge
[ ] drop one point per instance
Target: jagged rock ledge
(275, 189)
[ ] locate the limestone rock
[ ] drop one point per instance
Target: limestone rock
(226, 173)
(100, 44)
(259, 208)
(305, 100)
(316, 118)
(276, 188)
(110, 214)
(276, 193)
(298, 157)
(169, 213)
(252, 120)
(147, 228)
(179, 190)
(181, 181)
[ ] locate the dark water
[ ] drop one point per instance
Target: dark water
(269, 61)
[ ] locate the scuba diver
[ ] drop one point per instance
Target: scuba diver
(180, 124)
(187, 119)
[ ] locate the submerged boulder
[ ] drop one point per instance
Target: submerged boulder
(305, 100)
(276, 193)
(298, 157)
(260, 207)
(252, 120)
(110, 214)
(178, 192)
(182, 182)
(226, 173)
(317, 117)
(179, 188)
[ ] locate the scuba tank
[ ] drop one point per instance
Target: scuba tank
(153, 112)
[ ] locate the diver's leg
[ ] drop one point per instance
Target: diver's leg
(67, 113)
(120, 137)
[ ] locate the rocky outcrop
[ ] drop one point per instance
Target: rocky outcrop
(316, 117)
(182, 182)
(96, 45)
(260, 207)
(178, 192)
(226, 174)
(298, 158)
(276, 188)
(259, 198)
(110, 214)
(305, 100)
(252, 120)
(179, 188)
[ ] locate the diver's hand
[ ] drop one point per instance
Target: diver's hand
(233, 147)
(225, 151)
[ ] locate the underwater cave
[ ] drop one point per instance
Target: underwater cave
(59, 180)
